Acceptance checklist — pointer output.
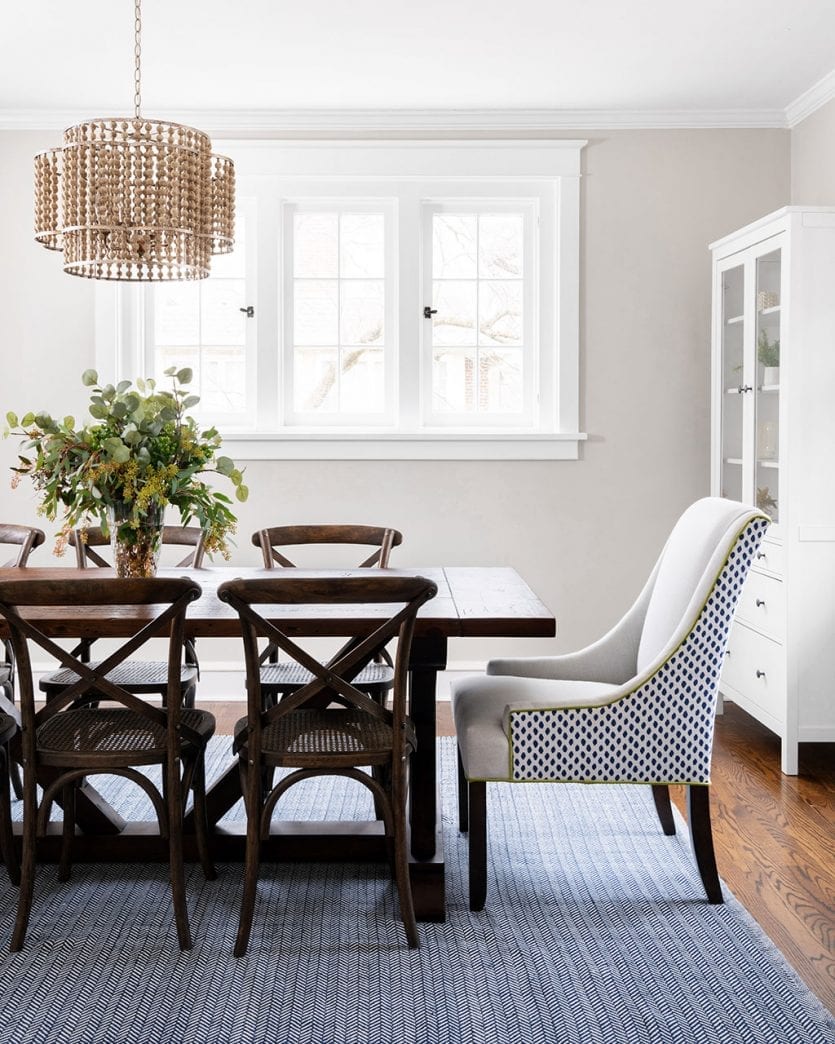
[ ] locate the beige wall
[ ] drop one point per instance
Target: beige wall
(813, 158)
(584, 533)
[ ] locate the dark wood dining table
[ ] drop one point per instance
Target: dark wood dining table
(472, 602)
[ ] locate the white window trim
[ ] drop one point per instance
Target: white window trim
(554, 163)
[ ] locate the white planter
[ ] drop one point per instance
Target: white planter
(771, 375)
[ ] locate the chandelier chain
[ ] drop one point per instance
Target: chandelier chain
(137, 51)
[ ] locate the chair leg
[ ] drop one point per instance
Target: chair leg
(67, 831)
(477, 801)
(201, 820)
(398, 792)
(253, 854)
(27, 867)
(463, 806)
(661, 796)
(701, 835)
(6, 835)
(175, 850)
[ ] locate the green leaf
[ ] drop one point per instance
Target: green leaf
(170, 371)
(241, 492)
(99, 412)
(28, 419)
(190, 400)
(89, 378)
(224, 465)
(122, 386)
(185, 375)
(12, 419)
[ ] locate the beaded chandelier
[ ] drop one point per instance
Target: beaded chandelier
(135, 199)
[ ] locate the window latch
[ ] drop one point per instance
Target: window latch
(428, 312)
(249, 311)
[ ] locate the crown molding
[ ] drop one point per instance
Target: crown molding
(810, 101)
(428, 121)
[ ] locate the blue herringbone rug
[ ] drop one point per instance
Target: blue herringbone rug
(596, 930)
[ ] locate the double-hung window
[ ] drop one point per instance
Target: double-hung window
(384, 299)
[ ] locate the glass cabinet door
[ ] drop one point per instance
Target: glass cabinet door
(733, 387)
(767, 384)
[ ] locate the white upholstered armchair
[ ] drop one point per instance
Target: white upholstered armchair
(637, 706)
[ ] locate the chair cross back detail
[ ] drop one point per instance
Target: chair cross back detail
(175, 593)
(334, 677)
(85, 542)
(25, 538)
(383, 539)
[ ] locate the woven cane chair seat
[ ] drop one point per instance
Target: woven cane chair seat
(306, 737)
(139, 676)
(112, 733)
(374, 678)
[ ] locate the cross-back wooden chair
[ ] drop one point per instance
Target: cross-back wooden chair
(142, 677)
(280, 679)
(68, 739)
(305, 732)
(23, 539)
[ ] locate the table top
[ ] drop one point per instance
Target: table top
(472, 601)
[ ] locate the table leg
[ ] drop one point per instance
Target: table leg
(429, 655)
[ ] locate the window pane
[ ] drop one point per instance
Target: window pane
(453, 381)
(315, 245)
(362, 387)
(223, 380)
(361, 246)
(500, 246)
(362, 306)
(174, 355)
(315, 312)
(454, 246)
(315, 379)
(177, 313)
(221, 301)
(455, 319)
(500, 381)
(500, 313)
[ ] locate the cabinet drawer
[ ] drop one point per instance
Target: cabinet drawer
(769, 556)
(755, 666)
(762, 605)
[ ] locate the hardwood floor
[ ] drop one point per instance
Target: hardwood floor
(774, 836)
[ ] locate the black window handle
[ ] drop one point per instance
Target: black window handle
(249, 311)
(428, 312)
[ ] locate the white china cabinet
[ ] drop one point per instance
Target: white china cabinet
(773, 444)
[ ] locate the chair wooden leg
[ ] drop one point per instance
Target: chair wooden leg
(27, 867)
(463, 805)
(477, 800)
(661, 796)
(175, 849)
(253, 856)
(701, 835)
(6, 835)
(67, 831)
(201, 820)
(401, 871)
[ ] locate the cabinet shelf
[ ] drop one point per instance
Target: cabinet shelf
(733, 460)
(773, 310)
(734, 319)
(769, 388)
(767, 462)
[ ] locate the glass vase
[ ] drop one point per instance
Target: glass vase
(135, 546)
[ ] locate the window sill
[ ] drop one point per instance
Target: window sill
(334, 445)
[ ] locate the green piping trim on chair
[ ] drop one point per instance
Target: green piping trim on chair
(600, 706)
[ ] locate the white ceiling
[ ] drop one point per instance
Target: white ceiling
(754, 57)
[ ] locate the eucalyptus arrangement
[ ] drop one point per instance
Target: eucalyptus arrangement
(140, 454)
(768, 352)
